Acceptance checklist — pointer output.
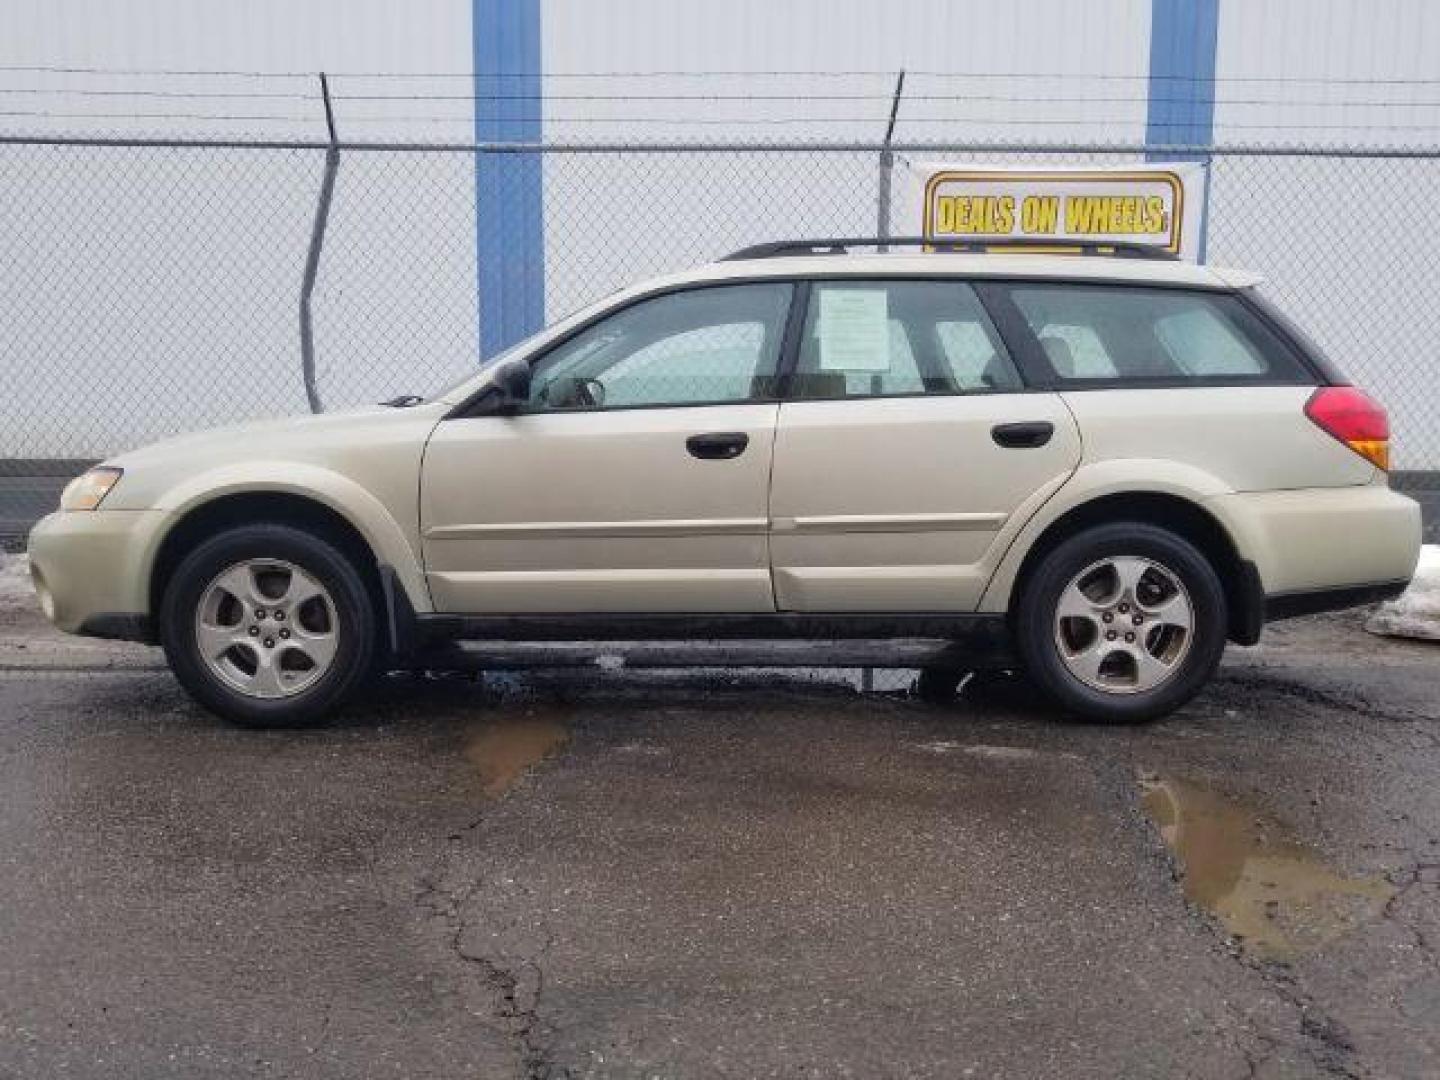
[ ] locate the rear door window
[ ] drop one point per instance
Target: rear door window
(1105, 334)
(867, 338)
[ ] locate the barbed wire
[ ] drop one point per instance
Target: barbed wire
(672, 121)
(51, 115)
(1218, 80)
(970, 143)
(1045, 99)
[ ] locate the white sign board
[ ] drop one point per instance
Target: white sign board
(1158, 206)
(854, 329)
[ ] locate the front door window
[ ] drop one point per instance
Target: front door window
(710, 346)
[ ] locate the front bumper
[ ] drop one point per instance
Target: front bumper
(91, 570)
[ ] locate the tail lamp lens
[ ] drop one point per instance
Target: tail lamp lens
(1355, 418)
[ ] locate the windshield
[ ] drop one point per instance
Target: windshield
(521, 346)
(469, 377)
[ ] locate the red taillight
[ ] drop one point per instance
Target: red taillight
(1354, 418)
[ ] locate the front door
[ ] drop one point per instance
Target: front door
(635, 478)
(907, 451)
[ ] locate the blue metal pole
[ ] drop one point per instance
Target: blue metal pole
(1183, 40)
(509, 202)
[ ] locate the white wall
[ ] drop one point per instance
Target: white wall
(1319, 71)
(809, 70)
(146, 292)
(1348, 246)
(289, 39)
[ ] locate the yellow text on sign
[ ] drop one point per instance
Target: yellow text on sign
(1041, 215)
(1114, 214)
(961, 214)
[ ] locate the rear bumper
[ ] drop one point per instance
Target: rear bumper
(1321, 541)
(1314, 601)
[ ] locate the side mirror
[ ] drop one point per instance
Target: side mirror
(512, 379)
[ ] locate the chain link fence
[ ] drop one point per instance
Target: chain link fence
(154, 288)
(149, 290)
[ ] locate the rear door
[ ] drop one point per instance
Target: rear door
(907, 451)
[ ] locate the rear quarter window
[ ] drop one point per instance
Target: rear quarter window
(1108, 335)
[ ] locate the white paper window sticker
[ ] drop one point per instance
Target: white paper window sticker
(854, 329)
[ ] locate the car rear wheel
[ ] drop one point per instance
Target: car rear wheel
(1122, 622)
(268, 626)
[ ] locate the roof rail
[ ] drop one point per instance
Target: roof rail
(1061, 246)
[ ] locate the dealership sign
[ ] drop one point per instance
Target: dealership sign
(1158, 207)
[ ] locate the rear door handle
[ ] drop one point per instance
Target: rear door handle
(717, 445)
(1023, 436)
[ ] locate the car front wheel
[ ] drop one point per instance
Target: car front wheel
(1122, 623)
(268, 626)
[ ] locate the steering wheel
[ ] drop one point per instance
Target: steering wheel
(574, 392)
(589, 393)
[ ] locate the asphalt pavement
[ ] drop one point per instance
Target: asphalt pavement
(611, 873)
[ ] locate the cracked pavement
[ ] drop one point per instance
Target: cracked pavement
(620, 874)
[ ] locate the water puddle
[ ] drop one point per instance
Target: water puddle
(1276, 896)
(505, 749)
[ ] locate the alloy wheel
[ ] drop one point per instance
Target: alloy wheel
(266, 628)
(1123, 625)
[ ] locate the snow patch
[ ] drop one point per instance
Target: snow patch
(16, 591)
(1416, 614)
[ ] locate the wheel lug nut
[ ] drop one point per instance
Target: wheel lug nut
(1110, 636)
(269, 642)
(1124, 608)
(1137, 620)
(1107, 617)
(279, 616)
(259, 612)
(254, 631)
(1129, 637)
(285, 633)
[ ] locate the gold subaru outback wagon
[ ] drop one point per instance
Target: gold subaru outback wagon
(1097, 469)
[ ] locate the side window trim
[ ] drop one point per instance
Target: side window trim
(1025, 348)
(790, 344)
(1293, 335)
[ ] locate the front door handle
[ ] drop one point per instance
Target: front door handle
(717, 445)
(1023, 436)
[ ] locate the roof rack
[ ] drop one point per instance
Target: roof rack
(949, 245)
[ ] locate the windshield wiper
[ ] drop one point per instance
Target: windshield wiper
(404, 401)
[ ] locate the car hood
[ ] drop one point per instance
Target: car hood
(282, 436)
(379, 448)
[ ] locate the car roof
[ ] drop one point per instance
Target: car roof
(1060, 267)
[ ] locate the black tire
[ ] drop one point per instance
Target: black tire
(1035, 633)
(355, 632)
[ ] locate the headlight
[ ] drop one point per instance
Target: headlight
(88, 491)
